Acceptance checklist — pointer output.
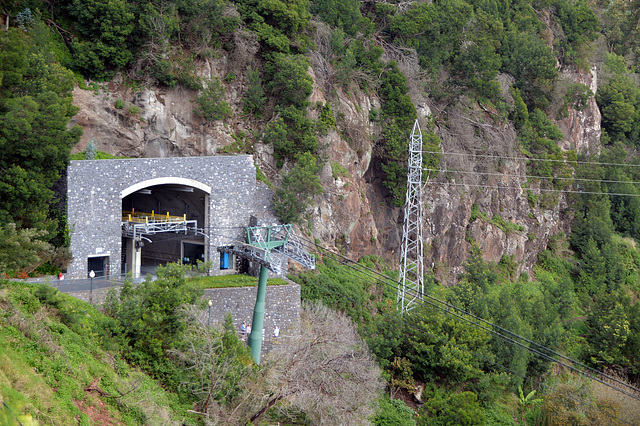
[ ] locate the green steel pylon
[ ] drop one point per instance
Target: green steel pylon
(261, 242)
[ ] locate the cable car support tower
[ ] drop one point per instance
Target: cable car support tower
(411, 276)
(262, 241)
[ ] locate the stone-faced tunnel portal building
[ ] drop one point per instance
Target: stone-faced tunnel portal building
(127, 214)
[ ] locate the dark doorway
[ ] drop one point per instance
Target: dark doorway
(98, 265)
(192, 253)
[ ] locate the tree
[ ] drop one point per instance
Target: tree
(104, 27)
(254, 98)
(22, 249)
(298, 186)
(445, 409)
(325, 371)
(35, 108)
(150, 315)
(214, 362)
(533, 65)
(211, 102)
(292, 133)
(342, 14)
(287, 78)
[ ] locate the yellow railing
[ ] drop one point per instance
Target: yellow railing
(142, 217)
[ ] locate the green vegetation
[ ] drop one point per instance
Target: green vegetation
(63, 361)
(100, 155)
(58, 364)
(297, 189)
(583, 299)
(211, 103)
(224, 281)
(474, 377)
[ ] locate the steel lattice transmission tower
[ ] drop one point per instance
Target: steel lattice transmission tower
(411, 277)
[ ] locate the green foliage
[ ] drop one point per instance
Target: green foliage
(478, 62)
(226, 281)
(22, 249)
(527, 402)
(254, 99)
(398, 115)
(452, 408)
(342, 14)
(619, 100)
(286, 17)
(292, 134)
(100, 155)
(394, 412)
(562, 404)
(56, 345)
(580, 26)
(297, 189)
(326, 116)
(287, 79)
(260, 176)
(211, 102)
(133, 110)
(533, 65)
(104, 27)
(214, 351)
(433, 29)
(577, 96)
(333, 280)
(35, 108)
(338, 171)
(151, 319)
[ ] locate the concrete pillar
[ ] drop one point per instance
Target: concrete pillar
(134, 258)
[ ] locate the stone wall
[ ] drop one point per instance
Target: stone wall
(96, 189)
(282, 308)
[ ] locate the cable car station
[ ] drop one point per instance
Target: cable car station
(131, 215)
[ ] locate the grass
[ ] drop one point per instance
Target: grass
(101, 155)
(53, 348)
(223, 281)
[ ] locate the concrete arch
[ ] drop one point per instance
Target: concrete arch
(164, 181)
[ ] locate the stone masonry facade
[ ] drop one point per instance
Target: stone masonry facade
(95, 189)
(282, 308)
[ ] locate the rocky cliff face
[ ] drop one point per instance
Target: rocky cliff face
(477, 196)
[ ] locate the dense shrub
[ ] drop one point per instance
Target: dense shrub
(211, 102)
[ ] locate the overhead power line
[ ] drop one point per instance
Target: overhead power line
(518, 188)
(446, 308)
(441, 339)
(592, 163)
(571, 179)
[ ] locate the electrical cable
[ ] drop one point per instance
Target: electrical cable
(592, 163)
(516, 188)
(497, 334)
(14, 414)
(572, 179)
(441, 339)
(493, 332)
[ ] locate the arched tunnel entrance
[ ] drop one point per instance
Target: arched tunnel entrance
(163, 223)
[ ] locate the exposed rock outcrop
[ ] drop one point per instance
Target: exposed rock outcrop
(478, 195)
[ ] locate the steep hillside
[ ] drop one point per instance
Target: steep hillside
(59, 365)
(481, 164)
(505, 96)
